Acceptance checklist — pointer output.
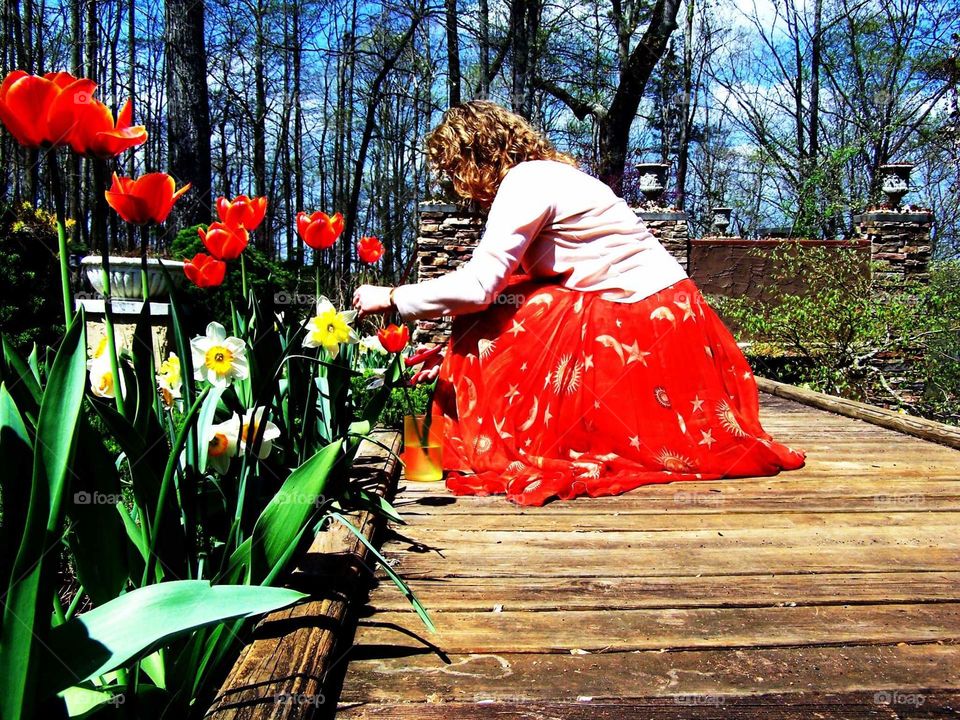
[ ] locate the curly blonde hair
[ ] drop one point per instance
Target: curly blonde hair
(478, 141)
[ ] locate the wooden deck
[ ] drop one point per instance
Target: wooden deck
(832, 592)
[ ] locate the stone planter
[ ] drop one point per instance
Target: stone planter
(895, 181)
(125, 276)
(720, 219)
(652, 179)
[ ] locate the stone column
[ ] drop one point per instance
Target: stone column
(670, 228)
(448, 233)
(900, 247)
(900, 243)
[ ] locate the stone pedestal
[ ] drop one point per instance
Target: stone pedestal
(670, 228)
(899, 243)
(125, 315)
(448, 234)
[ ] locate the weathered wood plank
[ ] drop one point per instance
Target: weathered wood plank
(285, 665)
(695, 503)
(637, 562)
(807, 672)
(665, 628)
(648, 522)
(918, 427)
(845, 706)
(615, 592)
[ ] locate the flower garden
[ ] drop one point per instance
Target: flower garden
(151, 506)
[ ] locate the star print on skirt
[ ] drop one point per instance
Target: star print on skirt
(554, 393)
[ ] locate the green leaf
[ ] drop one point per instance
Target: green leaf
(21, 381)
(404, 588)
(289, 511)
(17, 453)
(98, 540)
(134, 625)
(26, 606)
(207, 413)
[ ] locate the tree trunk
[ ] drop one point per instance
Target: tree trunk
(453, 54)
(188, 108)
(614, 127)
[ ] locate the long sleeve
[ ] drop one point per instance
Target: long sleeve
(522, 206)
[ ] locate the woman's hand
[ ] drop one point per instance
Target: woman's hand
(430, 367)
(370, 299)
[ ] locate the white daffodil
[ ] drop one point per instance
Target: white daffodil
(371, 343)
(169, 379)
(101, 378)
(102, 382)
(218, 358)
(228, 439)
(329, 328)
(252, 421)
(222, 444)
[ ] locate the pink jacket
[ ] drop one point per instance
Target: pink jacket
(550, 219)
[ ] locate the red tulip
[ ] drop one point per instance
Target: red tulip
(242, 211)
(319, 230)
(370, 249)
(205, 271)
(224, 242)
(33, 107)
(148, 199)
(91, 129)
(394, 338)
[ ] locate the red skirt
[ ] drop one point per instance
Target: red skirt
(553, 392)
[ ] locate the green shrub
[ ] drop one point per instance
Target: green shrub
(400, 403)
(846, 337)
(30, 307)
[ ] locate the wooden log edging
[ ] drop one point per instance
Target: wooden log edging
(280, 674)
(909, 424)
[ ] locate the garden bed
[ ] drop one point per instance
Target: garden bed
(281, 671)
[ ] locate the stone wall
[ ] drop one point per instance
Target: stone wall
(736, 267)
(448, 234)
(900, 243)
(670, 228)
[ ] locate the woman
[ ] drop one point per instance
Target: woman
(598, 369)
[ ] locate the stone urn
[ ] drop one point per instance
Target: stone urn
(125, 276)
(652, 180)
(895, 181)
(721, 219)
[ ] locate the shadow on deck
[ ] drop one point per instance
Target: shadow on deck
(831, 591)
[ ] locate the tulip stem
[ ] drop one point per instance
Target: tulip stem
(58, 203)
(243, 277)
(99, 184)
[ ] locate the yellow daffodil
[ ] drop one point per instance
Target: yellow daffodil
(329, 328)
(219, 359)
(169, 379)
